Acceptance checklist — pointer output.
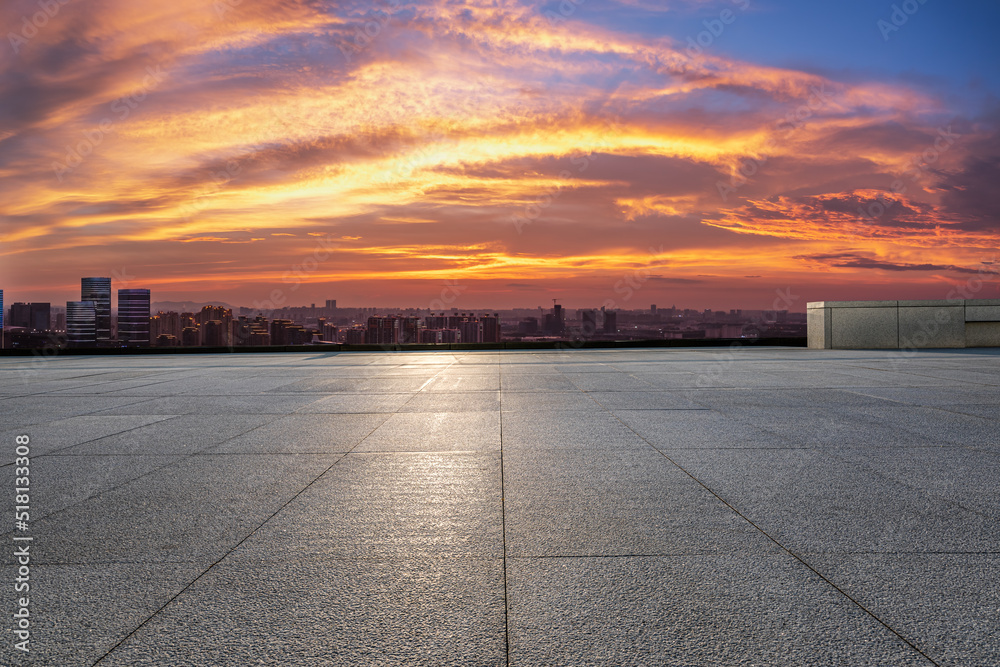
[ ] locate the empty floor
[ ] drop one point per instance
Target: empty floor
(624, 507)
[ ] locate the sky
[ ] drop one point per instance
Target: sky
(501, 153)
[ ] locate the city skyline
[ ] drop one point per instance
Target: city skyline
(94, 321)
(722, 150)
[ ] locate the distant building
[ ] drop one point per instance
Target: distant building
(286, 332)
(528, 325)
(81, 324)
(213, 334)
(355, 336)
(32, 316)
(409, 330)
(98, 290)
(382, 331)
(1, 319)
(133, 317)
(440, 336)
(471, 331)
(331, 304)
(588, 323)
(190, 337)
(610, 322)
(166, 340)
(491, 328)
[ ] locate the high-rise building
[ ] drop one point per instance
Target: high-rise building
(409, 328)
(98, 290)
(610, 322)
(438, 336)
(34, 316)
(588, 323)
(555, 322)
(213, 333)
(382, 330)
(355, 336)
(40, 316)
(331, 304)
(471, 331)
(1, 319)
(190, 337)
(652, 309)
(491, 328)
(81, 324)
(133, 317)
(436, 321)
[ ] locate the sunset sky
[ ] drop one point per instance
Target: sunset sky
(378, 152)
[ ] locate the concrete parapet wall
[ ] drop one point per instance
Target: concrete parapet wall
(893, 325)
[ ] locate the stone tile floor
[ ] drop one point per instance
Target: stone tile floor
(763, 506)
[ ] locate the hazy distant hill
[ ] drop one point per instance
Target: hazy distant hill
(184, 306)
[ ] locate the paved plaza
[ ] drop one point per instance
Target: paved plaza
(758, 506)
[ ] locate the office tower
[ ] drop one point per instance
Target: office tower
(588, 323)
(559, 319)
(81, 324)
(34, 316)
(491, 328)
(610, 322)
(331, 304)
(98, 290)
(40, 316)
(133, 317)
(18, 315)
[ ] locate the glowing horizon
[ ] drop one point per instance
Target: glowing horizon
(377, 151)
